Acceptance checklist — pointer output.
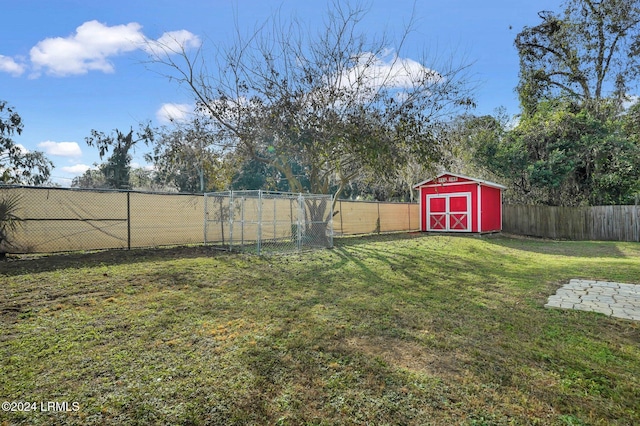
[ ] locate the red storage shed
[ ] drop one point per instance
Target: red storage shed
(456, 203)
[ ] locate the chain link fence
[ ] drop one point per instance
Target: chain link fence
(68, 219)
(268, 222)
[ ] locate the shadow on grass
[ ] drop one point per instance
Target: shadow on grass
(567, 248)
(50, 262)
(56, 261)
(530, 244)
(24, 264)
(604, 249)
(353, 240)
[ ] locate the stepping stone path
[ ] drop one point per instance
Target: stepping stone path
(614, 299)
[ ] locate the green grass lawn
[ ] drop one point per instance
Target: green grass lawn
(395, 329)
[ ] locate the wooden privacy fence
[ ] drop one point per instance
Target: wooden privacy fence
(605, 223)
(67, 219)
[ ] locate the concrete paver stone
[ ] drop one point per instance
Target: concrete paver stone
(618, 300)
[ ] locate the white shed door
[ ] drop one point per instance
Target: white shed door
(449, 212)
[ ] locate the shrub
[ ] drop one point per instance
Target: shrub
(9, 222)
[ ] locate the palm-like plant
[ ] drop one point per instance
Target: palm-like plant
(9, 221)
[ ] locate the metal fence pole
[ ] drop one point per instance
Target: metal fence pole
(341, 221)
(128, 220)
(206, 213)
(300, 218)
(242, 223)
(231, 214)
(259, 219)
(331, 222)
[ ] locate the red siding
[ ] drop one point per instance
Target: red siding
(491, 209)
(471, 187)
(485, 204)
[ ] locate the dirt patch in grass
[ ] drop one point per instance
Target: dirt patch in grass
(20, 264)
(409, 355)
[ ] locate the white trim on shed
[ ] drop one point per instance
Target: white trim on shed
(435, 180)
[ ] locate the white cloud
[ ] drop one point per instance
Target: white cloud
(172, 42)
(62, 149)
(374, 71)
(86, 50)
(22, 149)
(169, 113)
(78, 169)
(93, 44)
(10, 66)
(148, 167)
(629, 101)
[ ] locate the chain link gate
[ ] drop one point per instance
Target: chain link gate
(267, 222)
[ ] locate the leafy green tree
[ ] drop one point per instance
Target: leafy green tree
(91, 178)
(142, 179)
(574, 144)
(186, 157)
(253, 174)
(17, 166)
(565, 154)
(118, 165)
(587, 52)
(469, 132)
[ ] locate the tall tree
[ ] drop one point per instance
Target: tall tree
(253, 174)
(187, 158)
(118, 166)
(565, 154)
(16, 165)
(587, 52)
(336, 102)
(469, 133)
(91, 178)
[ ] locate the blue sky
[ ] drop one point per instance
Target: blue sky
(69, 66)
